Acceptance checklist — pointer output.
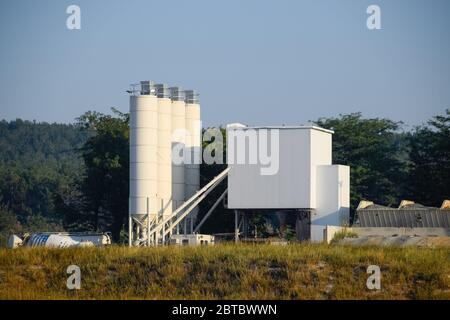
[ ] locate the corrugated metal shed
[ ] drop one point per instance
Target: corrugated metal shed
(406, 216)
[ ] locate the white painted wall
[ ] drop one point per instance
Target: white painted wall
(320, 155)
(330, 231)
(332, 199)
(300, 150)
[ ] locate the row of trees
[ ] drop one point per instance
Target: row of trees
(98, 199)
(75, 177)
(388, 164)
(37, 161)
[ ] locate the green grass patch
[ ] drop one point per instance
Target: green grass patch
(296, 271)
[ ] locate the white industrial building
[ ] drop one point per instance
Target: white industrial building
(192, 239)
(305, 181)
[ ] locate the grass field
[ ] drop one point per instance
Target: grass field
(301, 271)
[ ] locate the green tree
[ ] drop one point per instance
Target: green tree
(106, 181)
(222, 219)
(429, 178)
(372, 148)
(8, 225)
(36, 160)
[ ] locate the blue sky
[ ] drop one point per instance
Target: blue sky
(256, 62)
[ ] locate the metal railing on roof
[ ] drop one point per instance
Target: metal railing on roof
(163, 91)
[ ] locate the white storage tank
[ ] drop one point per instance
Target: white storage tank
(164, 151)
(192, 151)
(60, 240)
(178, 141)
(143, 153)
(162, 120)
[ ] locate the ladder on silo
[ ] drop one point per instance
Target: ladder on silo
(161, 229)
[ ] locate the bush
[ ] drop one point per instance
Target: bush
(344, 233)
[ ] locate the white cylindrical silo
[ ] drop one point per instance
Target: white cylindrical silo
(143, 161)
(164, 153)
(178, 141)
(192, 151)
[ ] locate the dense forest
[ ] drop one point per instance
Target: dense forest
(37, 161)
(74, 177)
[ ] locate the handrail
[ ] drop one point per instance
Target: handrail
(196, 198)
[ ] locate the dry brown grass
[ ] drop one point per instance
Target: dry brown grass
(301, 271)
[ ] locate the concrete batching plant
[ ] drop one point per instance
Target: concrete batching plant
(165, 192)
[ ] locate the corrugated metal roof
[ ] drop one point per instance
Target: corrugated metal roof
(413, 215)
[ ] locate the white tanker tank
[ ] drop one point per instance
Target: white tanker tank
(60, 240)
(192, 152)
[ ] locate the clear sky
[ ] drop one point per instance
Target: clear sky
(256, 62)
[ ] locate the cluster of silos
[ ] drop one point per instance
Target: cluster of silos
(163, 121)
